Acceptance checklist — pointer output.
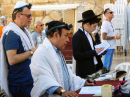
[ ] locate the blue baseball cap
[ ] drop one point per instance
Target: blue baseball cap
(47, 22)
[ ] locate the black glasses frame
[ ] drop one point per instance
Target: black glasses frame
(111, 12)
(27, 15)
(41, 25)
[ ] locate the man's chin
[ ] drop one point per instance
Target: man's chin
(63, 49)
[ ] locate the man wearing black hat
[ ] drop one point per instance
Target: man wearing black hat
(87, 60)
(51, 75)
(17, 49)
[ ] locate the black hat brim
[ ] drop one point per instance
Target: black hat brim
(83, 20)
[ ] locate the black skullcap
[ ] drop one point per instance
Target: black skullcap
(51, 24)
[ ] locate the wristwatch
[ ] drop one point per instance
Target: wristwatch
(62, 91)
(31, 52)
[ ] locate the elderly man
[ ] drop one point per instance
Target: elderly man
(51, 76)
(108, 33)
(17, 48)
(38, 36)
(3, 22)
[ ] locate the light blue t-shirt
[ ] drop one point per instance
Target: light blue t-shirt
(38, 38)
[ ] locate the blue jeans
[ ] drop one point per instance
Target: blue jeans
(107, 59)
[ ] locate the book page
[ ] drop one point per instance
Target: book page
(90, 90)
(104, 44)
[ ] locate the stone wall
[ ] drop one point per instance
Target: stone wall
(44, 16)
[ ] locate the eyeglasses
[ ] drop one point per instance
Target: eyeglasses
(41, 25)
(111, 12)
(27, 15)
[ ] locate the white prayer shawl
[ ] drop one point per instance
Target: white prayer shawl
(27, 44)
(47, 71)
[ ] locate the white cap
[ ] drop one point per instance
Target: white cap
(3, 17)
(20, 4)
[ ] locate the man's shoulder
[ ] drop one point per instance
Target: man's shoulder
(78, 33)
(106, 22)
(34, 33)
(11, 33)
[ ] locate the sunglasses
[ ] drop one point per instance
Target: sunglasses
(41, 25)
(111, 12)
(27, 15)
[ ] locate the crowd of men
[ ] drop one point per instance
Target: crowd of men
(33, 65)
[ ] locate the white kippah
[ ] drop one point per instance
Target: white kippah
(20, 4)
(3, 17)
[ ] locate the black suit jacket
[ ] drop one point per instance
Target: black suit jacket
(84, 54)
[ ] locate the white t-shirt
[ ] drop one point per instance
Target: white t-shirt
(108, 28)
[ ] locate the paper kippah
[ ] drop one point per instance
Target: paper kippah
(20, 4)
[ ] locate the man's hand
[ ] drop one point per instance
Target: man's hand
(117, 36)
(69, 94)
(90, 83)
(104, 52)
(99, 49)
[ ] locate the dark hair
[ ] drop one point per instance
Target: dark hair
(106, 11)
(92, 21)
(59, 30)
(47, 24)
(19, 10)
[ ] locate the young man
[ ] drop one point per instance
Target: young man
(108, 33)
(87, 60)
(38, 36)
(17, 48)
(51, 75)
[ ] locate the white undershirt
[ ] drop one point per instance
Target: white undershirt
(91, 43)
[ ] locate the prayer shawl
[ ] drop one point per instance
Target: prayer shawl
(27, 44)
(47, 71)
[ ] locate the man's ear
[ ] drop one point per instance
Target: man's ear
(87, 24)
(56, 34)
(18, 15)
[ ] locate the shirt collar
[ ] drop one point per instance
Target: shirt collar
(86, 33)
(55, 49)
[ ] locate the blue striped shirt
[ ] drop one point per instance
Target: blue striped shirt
(66, 76)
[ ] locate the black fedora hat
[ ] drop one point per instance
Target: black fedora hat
(87, 15)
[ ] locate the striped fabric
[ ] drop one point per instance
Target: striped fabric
(66, 76)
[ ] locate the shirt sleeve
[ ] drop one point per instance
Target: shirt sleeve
(11, 41)
(104, 28)
(34, 37)
(51, 90)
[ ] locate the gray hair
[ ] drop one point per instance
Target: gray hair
(2, 19)
(35, 24)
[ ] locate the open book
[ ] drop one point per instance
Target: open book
(104, 44)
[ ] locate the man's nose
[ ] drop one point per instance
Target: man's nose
(68, 39)
(30, 18)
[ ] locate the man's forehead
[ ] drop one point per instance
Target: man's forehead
(25, 9)
(39, 22)
(65, 30)
(95, 24)
(109, 10)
